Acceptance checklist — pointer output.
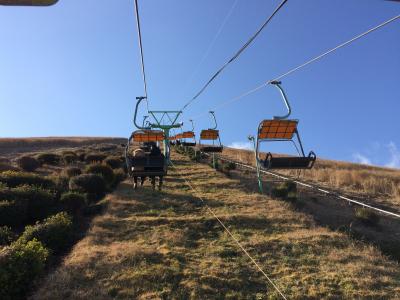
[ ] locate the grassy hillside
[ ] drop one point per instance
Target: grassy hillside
(18, 145)
(150, 245)
(382, 185)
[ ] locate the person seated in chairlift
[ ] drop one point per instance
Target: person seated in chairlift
(155, 151)
(138, 153)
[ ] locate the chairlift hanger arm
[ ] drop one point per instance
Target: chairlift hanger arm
(139, 99)
(285, 100)
(191, 121)
(215, 120)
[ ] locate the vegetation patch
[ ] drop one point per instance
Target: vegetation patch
(92, 184)
(103, 170)
(366, 216)
(55, 232)
(6, 235)
(72, 202)
(49, 159)
(72, 171)
(20, 265)
(95, 157)
(28, 163)
(14, 179)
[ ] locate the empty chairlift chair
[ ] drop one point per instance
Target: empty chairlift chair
(281, 129)
(211, 134)
(188, 138)
(148, 165)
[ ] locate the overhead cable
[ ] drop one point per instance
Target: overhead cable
(141, 51)
(230, 233)
(237, 54)
(237, 98)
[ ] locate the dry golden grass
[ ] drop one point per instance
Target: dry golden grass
(166, 245)
(18, 145)
(380, 183)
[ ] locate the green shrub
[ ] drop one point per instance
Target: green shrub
(61, 183)
(6, 236)
(13, 213)
(106, 147)
(49, 158)
(81, 155)
(68, 152)
(101, 169)
(72, 202)
(20, 265)
(14, 179)
(69, 159)
(89, 183)
(72, 172)
(95, 157)
(285, 190)
(29, 203)
(366, 216)
(28, 163)
(114, 162)
(56, 232)
(7, 167)
(119, 175)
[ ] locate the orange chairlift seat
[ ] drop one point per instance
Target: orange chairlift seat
(283, 129)
(188, 138)
(146, 165)
(211, 134)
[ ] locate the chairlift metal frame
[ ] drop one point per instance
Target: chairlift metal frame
(300, 162)
(158, 117)
(211, 148)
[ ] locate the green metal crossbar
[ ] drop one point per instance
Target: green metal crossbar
(158, 116)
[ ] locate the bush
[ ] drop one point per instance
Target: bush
(20, 265)
(26, 204)
(61, 183)
(49, 158)
(119, 175)
(72, 172)
(95, 157)
(7, 167)
(366, 216)
(6, 236)
(81, 155)
(101, 169)
(72, 202)
(69, 159)
(13, 213)
(28, 163)
(114, 162)
(14, 179)
(285, 190)
(55, 232)
(89, 183)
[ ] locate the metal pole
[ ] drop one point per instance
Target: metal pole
(255, 145)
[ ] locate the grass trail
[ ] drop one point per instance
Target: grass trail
(150, 245)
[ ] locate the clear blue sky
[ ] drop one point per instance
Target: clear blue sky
(73, 69)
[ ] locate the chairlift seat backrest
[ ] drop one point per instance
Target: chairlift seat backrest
(209, 134)
(277, 129)
(148, 136)
(188, 135)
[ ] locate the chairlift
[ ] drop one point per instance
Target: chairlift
(281, 129)
(146, 166)
(188, 138)
(211, 134)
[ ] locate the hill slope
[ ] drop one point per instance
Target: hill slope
(150, 245)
